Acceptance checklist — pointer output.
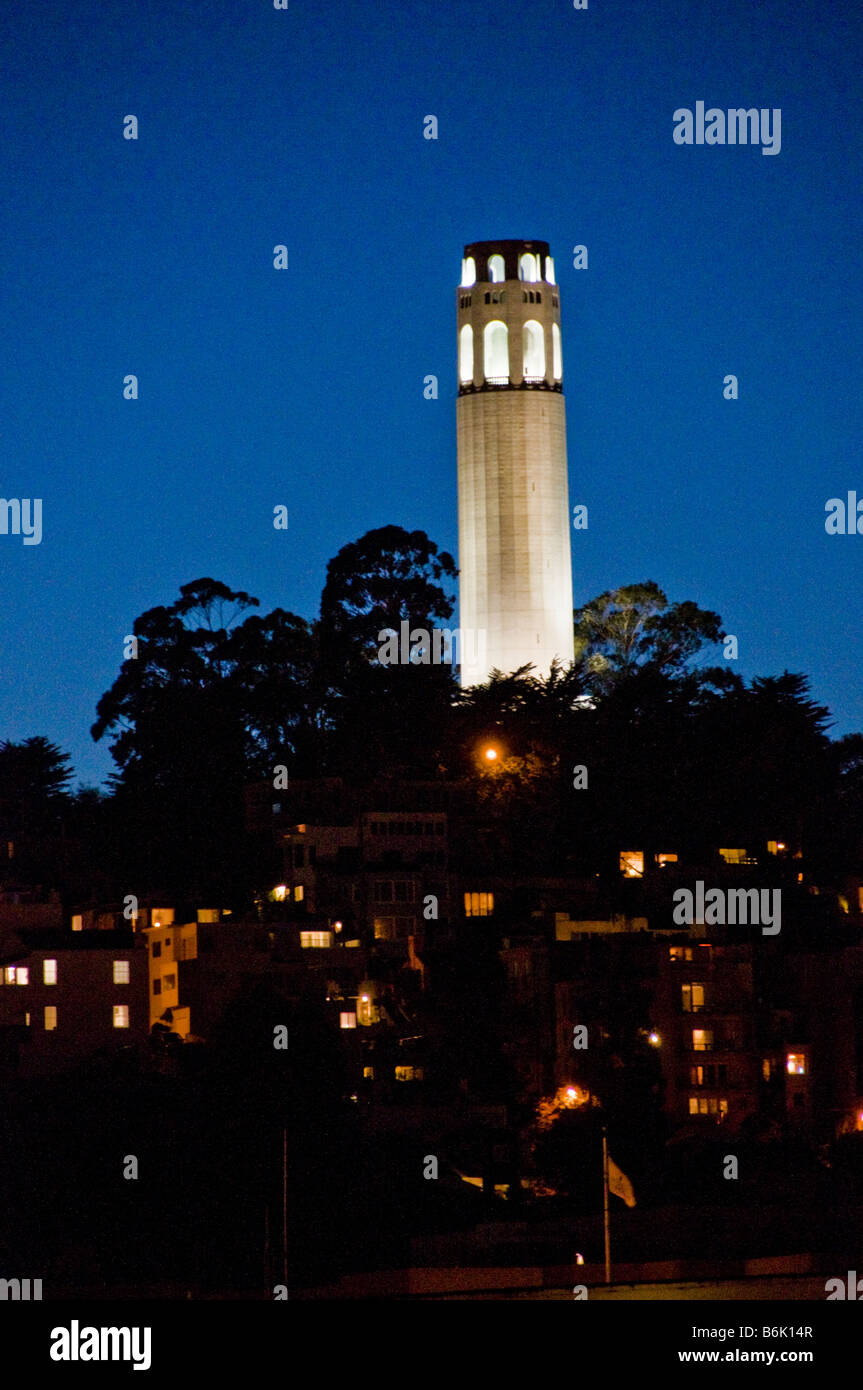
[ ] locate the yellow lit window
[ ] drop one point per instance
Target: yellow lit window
(368, 1073)
(632, 863)
(680, 953)
(49, 972)
(299, 893)
(409, 1073)
(22, 975)
(50, 1017)
(121, 972)
(316, 938)
(702, 1039)
(121, 1015)
(733, 856)
(796, 1064)
(663, 859)
(347, 1020)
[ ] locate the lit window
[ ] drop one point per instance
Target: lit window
(78, 922)
(9, 975)
(121, 1015)
(50, 1017)
(533, 342)
(527, 267)
(496, 352)
(347, 1020)
(468, 271)
(385, 929)
(766, 1068)
(663, 859)
(316, 938)
(702, 1039)
(496, 270)
(368, 1073)
(367, 1011)
(169, 981)
(22, 976)
(692, 998)
(693, 1105)
(299, 893)
(632, 863)
(409, 1073)
(556, 355)
(733, 856)
(549, 269)
(121, 972)
(723, 1107)
(796, 1064)
(279, 893)
(49, 972)
(478, 904)
(465, 353)
(680, 953)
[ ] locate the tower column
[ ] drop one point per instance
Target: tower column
(515, 582)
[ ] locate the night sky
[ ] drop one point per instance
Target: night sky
(304, 387)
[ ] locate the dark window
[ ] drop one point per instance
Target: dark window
(157, 948)
(157, 986)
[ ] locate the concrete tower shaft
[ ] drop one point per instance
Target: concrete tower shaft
(513, 501)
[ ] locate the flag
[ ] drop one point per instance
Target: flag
(619, 1183)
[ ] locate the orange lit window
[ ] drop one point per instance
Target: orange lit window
(50, 1017)
(478, 904)
(702, 1039)
(632, 863)
(347, 1020)
(796, 1064)
(121, 1015)
(692, 998)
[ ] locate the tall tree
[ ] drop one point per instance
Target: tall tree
(384, 715)
(633, 626)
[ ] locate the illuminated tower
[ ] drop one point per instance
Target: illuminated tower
(515, 579)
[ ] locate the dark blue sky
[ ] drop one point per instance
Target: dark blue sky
(304, 386)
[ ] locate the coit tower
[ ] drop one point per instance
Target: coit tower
(515, 583)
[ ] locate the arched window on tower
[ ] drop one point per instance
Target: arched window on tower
(533, 342)
(468, 271)
(496, 353)
(527, 267)
(496, 271)
(557, 360)
(465, 354)
(549, 270)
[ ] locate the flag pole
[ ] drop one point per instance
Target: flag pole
(605, 1221)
